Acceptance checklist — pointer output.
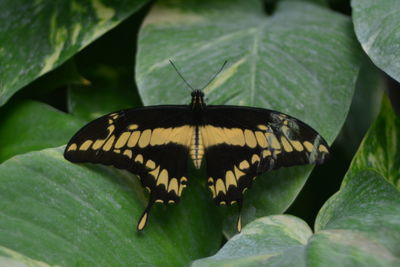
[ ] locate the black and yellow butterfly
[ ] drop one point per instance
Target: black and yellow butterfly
(237, 144)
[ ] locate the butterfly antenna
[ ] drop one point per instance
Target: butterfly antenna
(215, 75)
(180, 75)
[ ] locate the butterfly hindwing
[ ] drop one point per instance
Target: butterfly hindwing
(139, 141)
(241, 143)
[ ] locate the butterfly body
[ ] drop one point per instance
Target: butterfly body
(236, 143)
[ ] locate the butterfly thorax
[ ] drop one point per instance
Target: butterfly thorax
(197, 103)
(196, 146)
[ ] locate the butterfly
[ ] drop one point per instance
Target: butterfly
(237, 144)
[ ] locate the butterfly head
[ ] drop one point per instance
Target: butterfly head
(197, 99)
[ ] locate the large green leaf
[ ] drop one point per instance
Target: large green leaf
(67, 214)
(30, 125)
(377, 25)
(358, 226)
(302, 60)
(37, 36)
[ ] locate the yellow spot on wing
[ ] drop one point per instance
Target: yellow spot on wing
(85, 146)
(163, 178)
(297, 145)
(266, 153)
(107, 146)
(286, 145)
(128, 153)
(323, 148)
(155, 172)
(98, 144)
(139, 158)
(255, 158)
(238, 173)
(145, 138)
(219, 186)
(122, 139)
(110, 129)
(133, 126)
(262, 127)
(308, 146)
(159, 201)
(230, 179)
(72, 147)
(250, 138)
(133, 139)
(150, 164)
(173, 185)
(244, 165)
(262, 142)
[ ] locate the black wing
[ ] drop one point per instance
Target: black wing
(141, 142)
(242, 142)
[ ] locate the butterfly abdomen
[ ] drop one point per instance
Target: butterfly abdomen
(196, 148)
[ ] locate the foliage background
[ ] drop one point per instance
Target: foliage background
(332, 63)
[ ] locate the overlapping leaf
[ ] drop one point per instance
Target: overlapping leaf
(377, 25)
(37, 36)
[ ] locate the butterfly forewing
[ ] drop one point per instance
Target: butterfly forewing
(143, 142)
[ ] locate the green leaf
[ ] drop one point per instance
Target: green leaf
(37, 36)
(358, 226)
(377, 26)
(29, 125)
(288, 61)
(380, 149)
(84, 215)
